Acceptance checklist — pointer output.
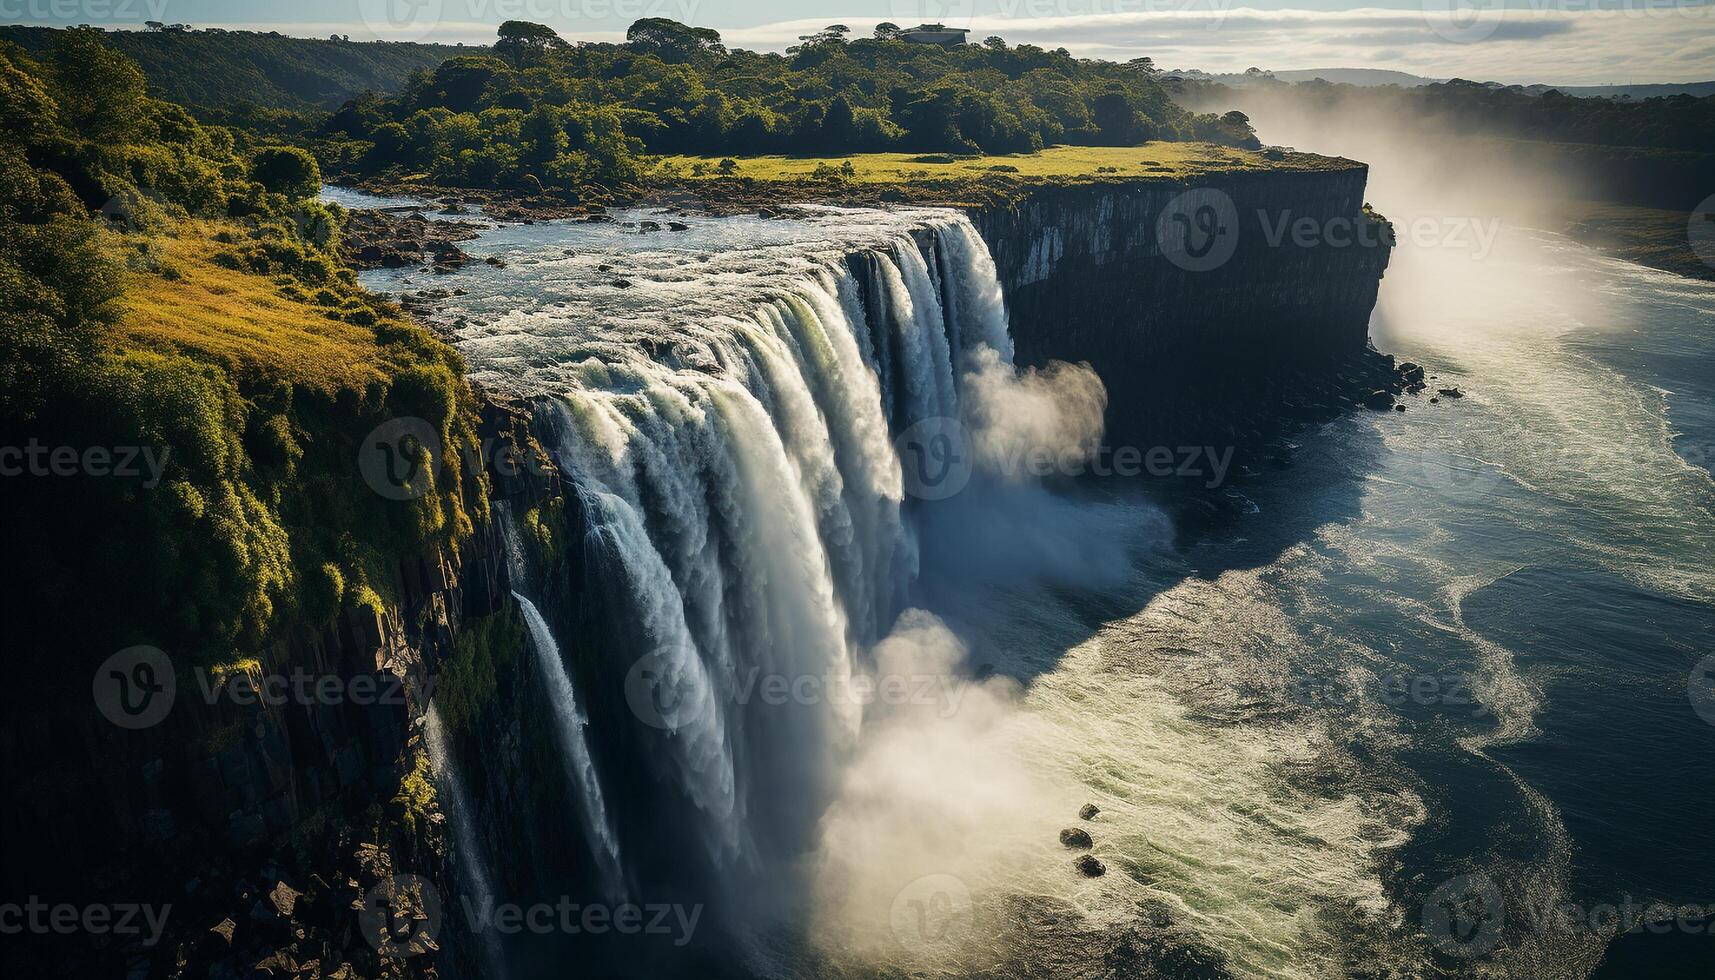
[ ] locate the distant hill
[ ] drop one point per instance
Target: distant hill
(1694, 89)
(223, 68)
(1384, 76)
(1357, 76)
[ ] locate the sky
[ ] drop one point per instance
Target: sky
(1557, 42)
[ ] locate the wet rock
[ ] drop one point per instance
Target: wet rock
(1451, 393)
(1074, 837)
(678, 226)
(604, 267)
(495, 261)
(622, 283)
(1399, 408)
(1411, 371)
(284, 898)
(1434, 401)
(1088, 811)
(1379, 399)
(1089, 866)
(649, 226)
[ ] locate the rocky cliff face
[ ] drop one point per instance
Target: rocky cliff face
(1289, 278)
(251, 813)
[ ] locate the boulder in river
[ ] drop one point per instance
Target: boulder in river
(1089, 866)
(1088, 811)
(1074, 837)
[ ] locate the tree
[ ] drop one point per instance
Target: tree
(286, 170)
(461, 81)
(671, 41)
(832, 36)
(994, 43)
(1238, 130)
(1143, 66)
(524, 43)
(839, 127)
(1114, 118)
(541, 134)
(887, 31)
(100, 90)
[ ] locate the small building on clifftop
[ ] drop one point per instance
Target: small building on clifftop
(946, 37)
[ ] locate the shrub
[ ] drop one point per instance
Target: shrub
(286, 170)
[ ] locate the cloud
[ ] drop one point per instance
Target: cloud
(1658, 43)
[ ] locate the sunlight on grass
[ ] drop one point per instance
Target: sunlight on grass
(243, 320)
(1174, 161)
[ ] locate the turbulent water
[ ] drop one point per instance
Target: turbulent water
(1448, 658)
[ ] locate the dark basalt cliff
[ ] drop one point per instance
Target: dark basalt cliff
(1183, 343)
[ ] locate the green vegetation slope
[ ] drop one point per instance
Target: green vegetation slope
(215, 67)
(172, 293)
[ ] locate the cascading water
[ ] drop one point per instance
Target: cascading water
(472, 862)
(745, 484)
(580, 768)
(727, 416)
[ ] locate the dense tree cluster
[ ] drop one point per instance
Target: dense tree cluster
(566, 113)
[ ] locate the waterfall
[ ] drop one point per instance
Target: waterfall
(728, 426)
(467, 849)
(756, 514)
(580, 769)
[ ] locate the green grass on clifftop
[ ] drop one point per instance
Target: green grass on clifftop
(1154, 160)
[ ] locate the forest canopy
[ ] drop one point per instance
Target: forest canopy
(540, 109)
